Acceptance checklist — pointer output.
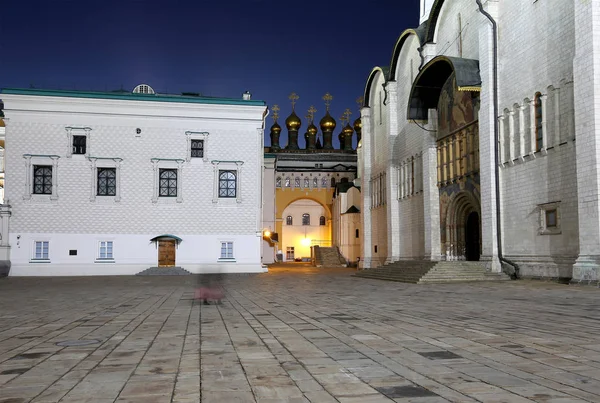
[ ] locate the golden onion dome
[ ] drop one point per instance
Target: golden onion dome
(276, 128)
(312, 129)
(327, 123)
(347, 130)
(357, 125)
(293, 122)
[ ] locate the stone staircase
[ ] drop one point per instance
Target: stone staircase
(164, 271)
(328, 257)
(428, 272)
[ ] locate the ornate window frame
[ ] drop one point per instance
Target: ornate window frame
(166, 163)
(189, 136)
(78, 131)
(105, 162)
(32, 160)
(227, 166)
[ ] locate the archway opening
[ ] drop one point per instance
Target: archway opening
(304, 225)
(472, 239)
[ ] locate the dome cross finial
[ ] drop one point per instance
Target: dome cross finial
(327, 98)
(293, 97)
(311, 113)
(359, 102)
(275, 110)
(347, 114)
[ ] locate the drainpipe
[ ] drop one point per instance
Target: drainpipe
(496, 141)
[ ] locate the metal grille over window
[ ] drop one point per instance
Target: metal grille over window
(197, 149)
(289, 220)
(322, 220)
(79, 144)
(42, 179)
(107, 182)
(227, 184)
(168, 183)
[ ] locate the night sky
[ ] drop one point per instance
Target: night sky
(216, 48)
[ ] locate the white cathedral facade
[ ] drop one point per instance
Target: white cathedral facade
(117, 182)
(481, 139)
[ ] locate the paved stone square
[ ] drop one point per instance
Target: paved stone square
(296, 334)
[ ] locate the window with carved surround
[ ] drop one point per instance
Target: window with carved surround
(296, 182)
(106, 178)
(278, 182)
(197, 146)
(315, 183)
(167, 180)
(41, 177)
(78, 141)
(306, 183)
(227, 186)
(550, 219)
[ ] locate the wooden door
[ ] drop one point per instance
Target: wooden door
(166, 253)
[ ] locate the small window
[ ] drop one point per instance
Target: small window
(105, 250)
(278, 182)
(287, 182)
(41, 250)
(356, 232)
(332, 182)
(315, 183)
(197, 150)
(42, 179)
(107, 182)
(551, 221)
(79, 144)
(306, 183)
(323, 182)
(226, 250)
(297, 182)
(375, 248)
(539, 129)
(167, 183)
(289, 220)
(322, 220)
(227, 184)
(72, 252)
(305, 219)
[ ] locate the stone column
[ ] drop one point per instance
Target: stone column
(431, 194)
(392, 204)
(366, 253)
(522, 109)
(5, 213)
(487, 160)
(586, 66)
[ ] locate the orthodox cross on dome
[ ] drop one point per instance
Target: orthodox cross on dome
(275, 110)
(293, 97)
(347, 114)
(327, 98)
(344, 119)
(359, 102)
(311, 113)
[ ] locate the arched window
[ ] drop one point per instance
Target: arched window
(323, 182)
(322, 220)
(289, 220)
(305, 219)
(306, 183)
(357, 232)
(539, 130)
(278, 182)
(332, 182)
(287, 182)
(315, 183)
(227, 184)
(297, 182)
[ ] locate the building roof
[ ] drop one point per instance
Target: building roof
(130, 96)
(352, 210)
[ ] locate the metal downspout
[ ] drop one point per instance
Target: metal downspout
(496, 141)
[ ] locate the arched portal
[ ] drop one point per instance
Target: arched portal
(451, 86)
(304, 229)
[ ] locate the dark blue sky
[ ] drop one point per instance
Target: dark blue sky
(218, 48)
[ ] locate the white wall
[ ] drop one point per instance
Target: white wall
(235, 134)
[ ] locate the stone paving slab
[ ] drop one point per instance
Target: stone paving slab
(296, 334)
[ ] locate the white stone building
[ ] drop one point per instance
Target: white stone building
(481, 146)
(115, 183)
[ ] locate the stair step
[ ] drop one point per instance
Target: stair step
(164, 271)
